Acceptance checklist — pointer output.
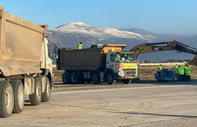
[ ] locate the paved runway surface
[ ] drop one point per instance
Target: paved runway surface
(144, 105)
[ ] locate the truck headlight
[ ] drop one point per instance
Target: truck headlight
(121, 73)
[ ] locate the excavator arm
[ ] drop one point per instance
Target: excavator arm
(165, 46)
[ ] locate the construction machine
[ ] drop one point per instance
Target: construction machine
(25, 64)
(99, 63)
(165, 46)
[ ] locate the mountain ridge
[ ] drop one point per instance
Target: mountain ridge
(101, 33)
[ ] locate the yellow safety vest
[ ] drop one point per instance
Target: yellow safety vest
(159, 68)
(181, 71)
(175, 69)
(80, 46)
(188, 71)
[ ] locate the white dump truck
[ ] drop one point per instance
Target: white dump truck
(98, 63)
(25, 64)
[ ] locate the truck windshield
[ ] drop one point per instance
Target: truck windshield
(127, 58)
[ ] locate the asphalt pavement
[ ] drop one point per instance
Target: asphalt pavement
(134, 105)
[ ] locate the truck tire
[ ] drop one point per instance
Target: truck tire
(110, 78)
(6, 99)
(126, 81)
(66, 78)
(96, 77)
(19, 96)
(35, 98)
(47, 93)
(74, 78)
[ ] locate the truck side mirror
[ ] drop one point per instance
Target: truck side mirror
(56, 51)
(49, 54)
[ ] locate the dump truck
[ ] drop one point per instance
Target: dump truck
(25, 65)
(99, 63)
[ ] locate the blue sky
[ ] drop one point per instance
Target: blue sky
(158, 16)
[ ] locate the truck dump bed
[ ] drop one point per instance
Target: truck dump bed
(85, 59)
(20, 45)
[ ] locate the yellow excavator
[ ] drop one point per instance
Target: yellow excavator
(166, 46)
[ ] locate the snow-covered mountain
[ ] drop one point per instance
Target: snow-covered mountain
(101, 34)
(69, 35)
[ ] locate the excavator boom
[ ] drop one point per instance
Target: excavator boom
(165, 46)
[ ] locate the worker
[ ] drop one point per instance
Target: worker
(175, 69)
(116, 58)
(188, 73)
(123, 57)
(181, 73)
(130, 58)
(159, 69)
(80, 45)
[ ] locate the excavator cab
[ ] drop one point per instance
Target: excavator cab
(193, 61)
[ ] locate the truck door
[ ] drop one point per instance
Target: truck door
(48, 55)
(112, 61)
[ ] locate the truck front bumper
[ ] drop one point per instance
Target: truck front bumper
(127, 74)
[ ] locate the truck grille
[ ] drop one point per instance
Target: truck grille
(130, 73)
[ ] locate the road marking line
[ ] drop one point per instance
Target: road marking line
(105, 90)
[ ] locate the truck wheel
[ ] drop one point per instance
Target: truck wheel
(109, 78)
(126, 81)
(35, 98)
(47, 93)
(96, 77)
(18, 96)
(74, 78)
(66, 78)
(6, 99)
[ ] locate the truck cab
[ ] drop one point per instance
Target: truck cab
(122, 64)
(46, 62)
